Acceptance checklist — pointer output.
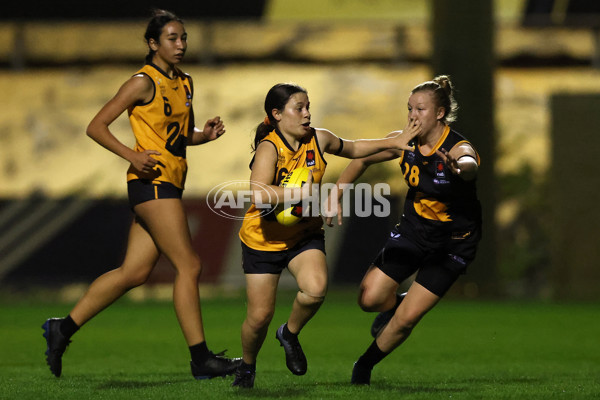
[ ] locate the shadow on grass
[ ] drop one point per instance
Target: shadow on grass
(343, 390)
(275, 393)
(502, 380)
(451, 386)
(139, 384)
(399, 387)
(338, 388)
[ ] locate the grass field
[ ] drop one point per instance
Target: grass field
(461, 350)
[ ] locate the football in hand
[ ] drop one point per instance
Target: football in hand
(291, 215)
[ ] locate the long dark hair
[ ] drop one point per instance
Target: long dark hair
(276, 99)
(160, 18)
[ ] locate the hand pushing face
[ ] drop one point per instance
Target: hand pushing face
(422, 108)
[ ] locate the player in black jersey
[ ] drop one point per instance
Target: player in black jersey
(439, 231)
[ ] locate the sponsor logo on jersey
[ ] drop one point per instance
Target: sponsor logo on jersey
(457, 259)
(188, 96)
(310, 158)
(440, 174)
(439, 169)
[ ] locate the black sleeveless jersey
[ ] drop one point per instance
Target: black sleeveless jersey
(438, 204)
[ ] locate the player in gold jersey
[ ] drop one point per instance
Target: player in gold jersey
(158, 100)
(283, 142)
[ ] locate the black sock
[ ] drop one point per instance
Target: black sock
(68, 327)
(199, 353)
(287, 334)
(248, 367)
(372, 356)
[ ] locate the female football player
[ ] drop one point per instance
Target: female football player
(285, 141)
(158, 101)
(439, 231)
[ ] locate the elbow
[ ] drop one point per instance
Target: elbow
(254, 198)
(96, 129)
(468, 168)
(468, 173)
(91, 131)
(366, 162)
(259, 198)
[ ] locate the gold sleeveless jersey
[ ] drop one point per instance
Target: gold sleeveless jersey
(261, 231)
(162, 124)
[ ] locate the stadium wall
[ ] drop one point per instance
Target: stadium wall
(55, 243)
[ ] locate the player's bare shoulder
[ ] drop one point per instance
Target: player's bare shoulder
(139, 89)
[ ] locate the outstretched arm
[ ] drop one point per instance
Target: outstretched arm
(397, 140)
(349, 175)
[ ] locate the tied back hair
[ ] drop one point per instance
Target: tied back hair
(276, 99)
(443, 94)
(159, 19)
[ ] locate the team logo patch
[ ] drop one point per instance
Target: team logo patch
(439, 169)
(310, 158)
(188, 96)
(297, 210)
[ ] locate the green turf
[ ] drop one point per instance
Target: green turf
(461, 350)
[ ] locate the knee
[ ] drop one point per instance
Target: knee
(311, 299)
(191, 267)
(196, 267)
(404, 322)
(369, 301)
(138, 277)
(259, 319)
(312, 293)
